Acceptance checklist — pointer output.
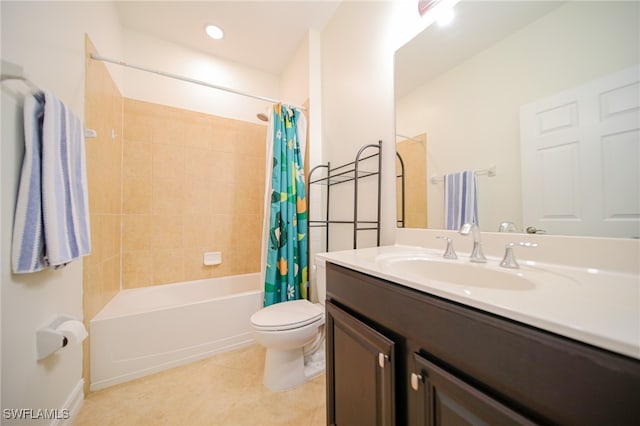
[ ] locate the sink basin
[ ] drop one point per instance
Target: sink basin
(430, 269)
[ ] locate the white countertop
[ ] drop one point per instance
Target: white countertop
(598, 307)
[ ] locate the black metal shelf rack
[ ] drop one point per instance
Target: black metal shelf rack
(349, 172)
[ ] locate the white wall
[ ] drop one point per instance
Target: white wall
(151, 52)
(301, 81)
(316, 147)
(294, 80)
(358, 45)
(315, 98)
(47, 40)
(486, 92)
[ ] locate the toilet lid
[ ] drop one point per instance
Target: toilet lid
(287, 315)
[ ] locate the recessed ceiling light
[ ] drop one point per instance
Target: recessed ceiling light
(214, 32)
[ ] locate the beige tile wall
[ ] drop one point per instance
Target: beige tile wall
(415, 164)
(101, 270)
(192, 183)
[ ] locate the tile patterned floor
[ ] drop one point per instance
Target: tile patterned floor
(225, 389)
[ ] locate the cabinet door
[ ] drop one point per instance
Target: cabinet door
(444, 399)
(360, 367)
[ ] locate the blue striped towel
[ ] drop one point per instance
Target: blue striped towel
(51, 225)
(461, 199)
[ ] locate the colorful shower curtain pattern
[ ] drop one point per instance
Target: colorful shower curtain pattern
(286, 275)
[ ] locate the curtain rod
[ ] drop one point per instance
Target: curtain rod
(190, 80)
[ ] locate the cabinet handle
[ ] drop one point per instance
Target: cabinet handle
(415, 381)
(382, 359)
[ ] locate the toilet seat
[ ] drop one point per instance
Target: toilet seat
(287, 315)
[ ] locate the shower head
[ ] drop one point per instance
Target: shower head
(262, 116)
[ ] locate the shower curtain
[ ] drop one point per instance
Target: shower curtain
(285, 240)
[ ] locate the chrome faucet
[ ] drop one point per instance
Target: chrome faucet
(509, 259)
(476, 254)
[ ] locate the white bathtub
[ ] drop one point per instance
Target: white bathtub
(146, 330)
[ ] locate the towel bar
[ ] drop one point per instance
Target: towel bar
(491, 172)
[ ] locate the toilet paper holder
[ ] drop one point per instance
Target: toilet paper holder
(49, 339)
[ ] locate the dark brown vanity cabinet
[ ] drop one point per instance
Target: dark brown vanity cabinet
(444, 399)
(364, 371)
(398, 356)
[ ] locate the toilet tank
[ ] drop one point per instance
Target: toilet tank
(321, 279)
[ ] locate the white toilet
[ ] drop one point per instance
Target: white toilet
(293, 334)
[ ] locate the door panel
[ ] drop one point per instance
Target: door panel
(580, 155)
(362, 372)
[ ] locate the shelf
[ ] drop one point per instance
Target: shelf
(345, 173)
(342, 178)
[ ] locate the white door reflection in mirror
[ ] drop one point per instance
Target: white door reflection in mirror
(580, 158)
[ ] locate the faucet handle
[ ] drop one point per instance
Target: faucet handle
(509, 259)
(449, 252)
(507, 227)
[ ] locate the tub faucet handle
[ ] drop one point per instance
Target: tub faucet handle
(449, 253)
(509, 259)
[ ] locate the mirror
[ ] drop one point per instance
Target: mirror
(502, 91)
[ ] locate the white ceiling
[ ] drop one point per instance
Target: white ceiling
(260, 34)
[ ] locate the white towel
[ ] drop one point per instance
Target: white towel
(461, 199)
(51, 225)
